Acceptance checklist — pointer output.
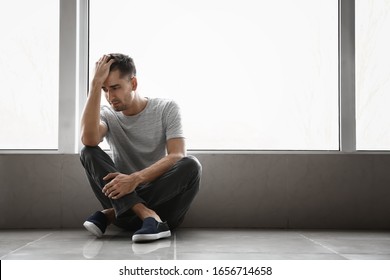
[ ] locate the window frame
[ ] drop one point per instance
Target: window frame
(74, 42)
(347, 115)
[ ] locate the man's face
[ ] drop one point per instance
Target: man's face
(118, 90)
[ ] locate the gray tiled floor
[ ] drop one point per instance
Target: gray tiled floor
(199, 244)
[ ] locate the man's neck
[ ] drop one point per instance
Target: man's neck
(138, 104)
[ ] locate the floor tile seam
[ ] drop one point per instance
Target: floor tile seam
(322, 245)
(25, 245)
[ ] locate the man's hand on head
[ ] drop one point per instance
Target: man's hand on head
(102, 68)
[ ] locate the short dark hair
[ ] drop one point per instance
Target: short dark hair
(123, 63)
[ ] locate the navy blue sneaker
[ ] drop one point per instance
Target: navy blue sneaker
(96, 224)
(151, 230)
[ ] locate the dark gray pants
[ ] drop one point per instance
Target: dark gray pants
(169, 196)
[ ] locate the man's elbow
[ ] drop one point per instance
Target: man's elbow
(90, 142)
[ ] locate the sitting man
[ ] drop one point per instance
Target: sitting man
(149, 183)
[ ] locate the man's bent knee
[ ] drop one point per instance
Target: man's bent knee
(192, 164)
(88, 152)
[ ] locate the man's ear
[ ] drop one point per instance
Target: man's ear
(134, 83)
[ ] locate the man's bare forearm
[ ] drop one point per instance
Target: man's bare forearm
(176, 151)
(90, 119)
(159, 168)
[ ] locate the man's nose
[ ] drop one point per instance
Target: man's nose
(110, 95)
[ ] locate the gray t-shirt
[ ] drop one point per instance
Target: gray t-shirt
(139, 141)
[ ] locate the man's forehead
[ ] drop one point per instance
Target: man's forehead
(114, 78)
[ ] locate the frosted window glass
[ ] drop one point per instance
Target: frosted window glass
(248, 75)
(29, 74)
(372, 74)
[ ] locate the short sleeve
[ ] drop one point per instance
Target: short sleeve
(103, 117)
(173, 121)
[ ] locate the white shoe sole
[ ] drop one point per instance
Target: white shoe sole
(92, 228)
(151, 237)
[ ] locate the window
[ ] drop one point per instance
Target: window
(248, 75)
(29, 73)
(372, 24)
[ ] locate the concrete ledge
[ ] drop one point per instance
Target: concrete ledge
(273, 190)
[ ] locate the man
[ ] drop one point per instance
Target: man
(149, 183)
